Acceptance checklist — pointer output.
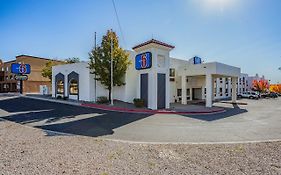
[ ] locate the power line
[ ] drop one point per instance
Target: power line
(118, 21)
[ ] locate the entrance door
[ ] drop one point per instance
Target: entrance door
(144, 88)
(161, 91)
(196, 94)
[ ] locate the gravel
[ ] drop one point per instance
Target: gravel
(25, 150)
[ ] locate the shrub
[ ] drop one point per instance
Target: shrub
(65, 98)
(139, 103)
(102, 100)
(59, 97)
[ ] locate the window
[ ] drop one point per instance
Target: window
(226, 92)
(73, 87)
(178, 92)
(220, 91)
(60, 86)
(172, 74)
(220, 80)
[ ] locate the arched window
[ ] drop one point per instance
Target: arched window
(73, 87)
(60, 86)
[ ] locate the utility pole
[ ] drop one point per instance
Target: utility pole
(95, 63)
(21, 86)
(111, 69)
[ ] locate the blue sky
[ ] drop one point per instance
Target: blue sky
(242, 33)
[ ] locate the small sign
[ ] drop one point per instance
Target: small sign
(143, 61)
(21, 77)
(197, 60)
(20, 68)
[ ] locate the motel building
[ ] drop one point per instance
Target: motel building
(155, 77)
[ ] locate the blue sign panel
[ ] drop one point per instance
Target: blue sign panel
(20, 68)
(143, 61)
(197, 60)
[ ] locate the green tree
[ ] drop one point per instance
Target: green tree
(47, 70)
(100, 61)
(72, 60)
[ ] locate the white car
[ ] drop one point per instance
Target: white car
(250, 95)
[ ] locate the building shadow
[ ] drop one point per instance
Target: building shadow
(97, 123)
(229, 112)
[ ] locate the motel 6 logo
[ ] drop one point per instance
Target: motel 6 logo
(143, 60)
(22, 68)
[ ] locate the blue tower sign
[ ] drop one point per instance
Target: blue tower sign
(197, 60)
(143, 61)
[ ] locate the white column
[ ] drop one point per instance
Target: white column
(183, 90)
(223, 87)
(152, 90)
(209, 90)
(234, 89)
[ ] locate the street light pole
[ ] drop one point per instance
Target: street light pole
(111, 69)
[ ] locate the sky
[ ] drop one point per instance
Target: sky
(242, 33)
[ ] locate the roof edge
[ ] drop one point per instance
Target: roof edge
(153, 41)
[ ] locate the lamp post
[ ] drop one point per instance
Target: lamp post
(111, 69)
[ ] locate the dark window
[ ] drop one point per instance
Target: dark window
(178, 92)
(172, 74)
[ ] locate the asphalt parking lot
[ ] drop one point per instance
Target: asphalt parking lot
(258, 121)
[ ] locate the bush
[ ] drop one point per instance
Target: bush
(139, 103)
(102, 100)
(65, 98)
(59, 97)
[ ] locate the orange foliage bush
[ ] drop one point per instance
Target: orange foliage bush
(260, 86)
(275, 88)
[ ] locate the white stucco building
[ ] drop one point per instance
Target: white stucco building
(156, 77)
